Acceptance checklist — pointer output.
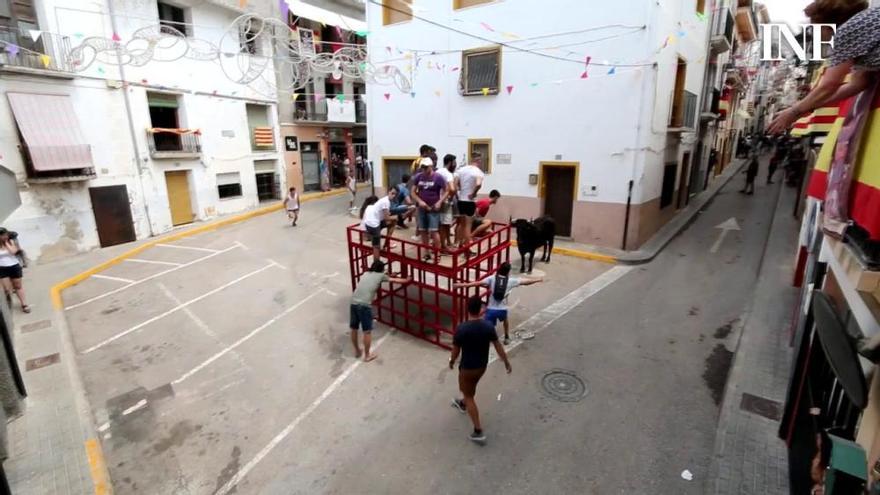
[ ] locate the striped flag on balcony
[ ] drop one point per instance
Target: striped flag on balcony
(264, 137)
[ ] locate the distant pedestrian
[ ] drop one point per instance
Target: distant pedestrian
(359, 168)
(500, 285)
(471, 341)
(751, 174)
(361, 307)
(291, 204)
(351, 185)
(468, 181)
(11, 261)
(429, 191)
(482, 224)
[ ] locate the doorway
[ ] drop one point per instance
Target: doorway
(177, 184)
(311, 165)
(558, 188)
(268, 182)
(338, 154)
(110, 205)
(683, 181)
(395, 168)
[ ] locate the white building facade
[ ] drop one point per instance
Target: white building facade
(104, 152)
(598, 146)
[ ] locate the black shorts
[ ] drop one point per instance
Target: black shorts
(13, 271)
(376, 233)
(467, 208)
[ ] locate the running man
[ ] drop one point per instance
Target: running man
(500, 285)
(429, 191)
(472, 340)
(468, 181)
(291, 204)
(351, 185)
(481, 223)
(361, 308)
(375, 216)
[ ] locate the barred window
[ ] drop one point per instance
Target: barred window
(481, 71)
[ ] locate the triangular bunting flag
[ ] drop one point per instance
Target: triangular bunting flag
(100, 70)
(701, 16)
(454, 69)
(35, 34)
(78, 35)
(294, 96)
(340, 97)
(46, 60)
(116, 37)
(612, 71)
(509, 89)
(437, 92)
(487, 27)
(534, 85)
(485, 91)
(242, 3)
(318, 97)
(682, 34)
(585, 75)
(362, 34)
(12, 49)
(387, 96)
(413, 94)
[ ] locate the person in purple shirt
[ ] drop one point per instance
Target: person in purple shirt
(429, 192)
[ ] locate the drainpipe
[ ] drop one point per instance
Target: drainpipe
(134, 143)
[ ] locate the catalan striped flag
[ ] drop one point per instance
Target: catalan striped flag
(864, 200)
(264, 137)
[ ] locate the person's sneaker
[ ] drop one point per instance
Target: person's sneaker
(478, 438)
(459, 404)
(506, 340)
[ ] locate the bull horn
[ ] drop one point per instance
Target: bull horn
(509, 219)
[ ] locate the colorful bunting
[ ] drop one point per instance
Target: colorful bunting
(100, 70)
(534, 85)
(389, 49)
(701, 16)
(487, 27)
(454, 69)
(285, 9)
(340, 97)
(116, 37)
(242, 3)
(46, 60)
(362, 33)
(509, 89)
(485, 91)
(387, 96)
(510, 36)
(12, 49)
(437, 92)
(293, 96)
(318, 97)
(413, 94)
(612, 71)
(585, 75)
(78, 35)
(682, 34)
(35, 34)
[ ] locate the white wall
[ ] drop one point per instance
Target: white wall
(594, 121)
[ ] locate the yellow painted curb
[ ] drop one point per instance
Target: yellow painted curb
(98, 467)
(585, 255)
(55, 291)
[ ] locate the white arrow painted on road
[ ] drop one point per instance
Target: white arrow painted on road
(726, 226)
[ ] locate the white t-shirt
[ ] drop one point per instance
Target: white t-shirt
(490, 283)
(7, 258)
(375, 213)
(448, 177)
(467, 181)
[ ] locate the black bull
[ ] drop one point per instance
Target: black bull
(530, 235)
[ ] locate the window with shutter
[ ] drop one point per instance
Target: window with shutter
(395, 11)
(481, 71)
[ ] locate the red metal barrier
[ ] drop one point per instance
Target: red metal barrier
(428, 308)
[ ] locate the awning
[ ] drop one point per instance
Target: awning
(50, 131)
(302, 9)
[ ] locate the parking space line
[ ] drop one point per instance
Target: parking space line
(141, 403)
(193, 248)
(116, 279)
(152, 262)
(236, 479)
(244, 339)
(173, 310)
(151, 277)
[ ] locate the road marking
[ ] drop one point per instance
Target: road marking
(244, 339)
(726, 226)
(544, 318)
(116, 279)
(104, 427)
(192, 248)
(172, 310)
(140, 404)
(151, 277)
(279, 265)
(242, 246)
(235, 480)
(152, 262)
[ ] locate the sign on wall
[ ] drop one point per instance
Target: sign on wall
(290, 143)
(503, 159)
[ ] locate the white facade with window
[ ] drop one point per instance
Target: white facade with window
(188, 123)
(489, 79)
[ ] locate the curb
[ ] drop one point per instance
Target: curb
(577, 253)
(94, 453)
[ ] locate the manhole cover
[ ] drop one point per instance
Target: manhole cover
(564, 386)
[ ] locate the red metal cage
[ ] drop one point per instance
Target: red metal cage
(428, 308)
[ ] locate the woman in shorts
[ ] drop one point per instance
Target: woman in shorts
(10, 270)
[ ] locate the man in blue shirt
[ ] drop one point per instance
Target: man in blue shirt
(403, 206)
(471, 341)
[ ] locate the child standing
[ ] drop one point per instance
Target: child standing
(291, 204)
(500, 285)
(351, 185)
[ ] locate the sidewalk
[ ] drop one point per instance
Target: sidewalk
(53, 446)
(749, 458)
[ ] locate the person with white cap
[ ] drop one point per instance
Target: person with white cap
(429, 190)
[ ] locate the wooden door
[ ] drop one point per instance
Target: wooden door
(683, 181)
(177, 183)
(112, 211)
(559, 185)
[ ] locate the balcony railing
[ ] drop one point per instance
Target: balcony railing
(309, 115)
(262, 138)
(174, 143)
(49, 52)
(722, 31)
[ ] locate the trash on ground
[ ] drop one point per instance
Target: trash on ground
(687, 475)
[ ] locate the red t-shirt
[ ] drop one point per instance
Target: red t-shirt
(483, 207)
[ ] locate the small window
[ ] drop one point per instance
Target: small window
(668, 192)
(701, 6)
(229, 185)
(481, 71)
(172, 20)
(395, 11)
(463, 4)
(248, 37)
(480, 152)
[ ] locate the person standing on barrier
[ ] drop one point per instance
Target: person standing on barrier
(429, 192)
(361, 307)
(375, 216)
(471, 341)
